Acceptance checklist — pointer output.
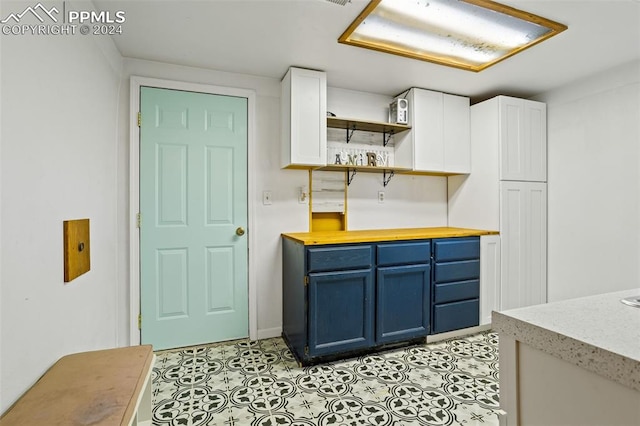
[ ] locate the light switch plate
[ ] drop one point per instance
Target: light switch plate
(266, 198)
(77, 258)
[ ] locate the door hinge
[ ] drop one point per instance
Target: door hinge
(139, 321)
(306, 280)
(138, 220)
(139, 119)
(306, 350)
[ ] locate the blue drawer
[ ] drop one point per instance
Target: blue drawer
(450, 249)
(452, 292)
(339, 258)
(456, 315)
(457, 271)
(404, 253)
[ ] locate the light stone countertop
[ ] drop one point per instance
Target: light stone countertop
(597, 333)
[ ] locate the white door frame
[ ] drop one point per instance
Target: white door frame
(134, 191)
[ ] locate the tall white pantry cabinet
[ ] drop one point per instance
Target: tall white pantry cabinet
(507, 190)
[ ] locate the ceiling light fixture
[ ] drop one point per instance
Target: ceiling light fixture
(467, 34)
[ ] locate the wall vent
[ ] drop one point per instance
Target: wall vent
(340, 2)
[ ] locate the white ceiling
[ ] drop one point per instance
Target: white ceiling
(265, 37)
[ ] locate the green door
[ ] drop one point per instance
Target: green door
(193, 206)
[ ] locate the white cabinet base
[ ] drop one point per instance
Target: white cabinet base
(489, 277)
(432, 338)
(539, 389)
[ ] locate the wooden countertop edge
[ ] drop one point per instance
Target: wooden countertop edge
(63, 392)
(379, 235)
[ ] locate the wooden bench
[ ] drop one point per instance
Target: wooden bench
(108, 387)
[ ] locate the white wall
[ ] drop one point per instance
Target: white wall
(1, 134)
(594, 184)
(59, 151)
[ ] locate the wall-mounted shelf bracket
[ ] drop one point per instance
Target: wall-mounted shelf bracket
(350, 176)
(386, 137)
(350, 132)
(385, 179)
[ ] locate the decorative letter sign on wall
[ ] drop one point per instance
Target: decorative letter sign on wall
(371, 159)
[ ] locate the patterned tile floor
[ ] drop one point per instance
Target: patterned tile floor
(454, 382)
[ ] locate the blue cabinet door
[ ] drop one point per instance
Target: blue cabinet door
(450, 249)
(404, 253)
(455, 315)
(403, 302)
(341, 309)
(338, 258)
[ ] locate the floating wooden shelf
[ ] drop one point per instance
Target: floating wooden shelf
(350, 126)
(388, 130)
(368, 169)
(368, 126)
(388, 172)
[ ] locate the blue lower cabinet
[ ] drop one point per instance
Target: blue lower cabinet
(339, 258)
(341, 310)
(456, 284)
(406, 253)
(344, 299)
(451, 249)
(455, 315)
(402, 308)
(456, 271)
(451, 292)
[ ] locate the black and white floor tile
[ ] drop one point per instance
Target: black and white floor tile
(454, 382)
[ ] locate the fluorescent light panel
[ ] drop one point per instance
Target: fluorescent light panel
(468, 34)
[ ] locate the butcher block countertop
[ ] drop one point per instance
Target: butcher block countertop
(376, 235)
(98, 388)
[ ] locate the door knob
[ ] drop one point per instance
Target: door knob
(240, 231)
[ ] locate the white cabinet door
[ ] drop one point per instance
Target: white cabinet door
(425, 114)
(489, 277)
(535, 127)
(523, 139)
(303, 117)
(440, 135)
(523, 231)
(456, 134)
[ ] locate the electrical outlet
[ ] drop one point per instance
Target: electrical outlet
(266, 198)
(381, 197)
(303, 195)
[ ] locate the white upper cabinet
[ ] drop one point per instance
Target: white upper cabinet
(440, 139)
(303, 118)
(523, 139)
(456, 134)
(426, 121)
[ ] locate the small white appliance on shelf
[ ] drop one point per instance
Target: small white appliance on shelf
(399, 111)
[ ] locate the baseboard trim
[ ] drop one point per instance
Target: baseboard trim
(458, 333)
(268, 333)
